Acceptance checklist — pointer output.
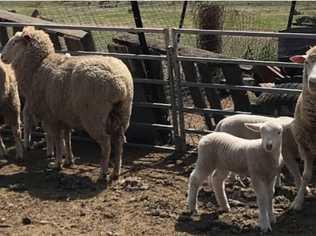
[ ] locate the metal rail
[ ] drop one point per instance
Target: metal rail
(86, 27)
(242, 88)
(238, 61)
(247, 33)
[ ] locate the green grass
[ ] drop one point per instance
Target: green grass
(264, 16)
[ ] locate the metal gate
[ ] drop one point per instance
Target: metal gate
(175, 80)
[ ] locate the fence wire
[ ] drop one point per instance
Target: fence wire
(270, 16)
(263, 16)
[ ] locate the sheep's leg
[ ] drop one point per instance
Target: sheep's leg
(50, 150)
(195, 181)
(270, 192)
(56, 136)
(293, 167)
(68, 148)
(263, 205)
(105, 151)
(16, 130)
(27, 121)
(119, 140)
(307, 175)
(3, 150)
(218, 182)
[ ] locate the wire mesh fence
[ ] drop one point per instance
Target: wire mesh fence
(237, 15)
(263, 16)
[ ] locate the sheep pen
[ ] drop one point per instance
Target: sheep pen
(149, 201)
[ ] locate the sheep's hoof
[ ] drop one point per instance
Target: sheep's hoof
(54, 165)
(308, 191)
(192, 212)
(296, 206)
(50, 157)
(68, 163)
(104, 177)
(224, 209)
(115, 175)
(264, 229)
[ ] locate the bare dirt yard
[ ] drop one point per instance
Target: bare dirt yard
(150, 199)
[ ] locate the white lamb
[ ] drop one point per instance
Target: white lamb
(261, 159)
(235, 125)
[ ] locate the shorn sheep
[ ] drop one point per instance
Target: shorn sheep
(220, 153)
(93, 93)
(10, 107)
(235, 125)
(304, 125)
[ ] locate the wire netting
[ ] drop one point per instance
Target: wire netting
(262, 16)
(237, 15)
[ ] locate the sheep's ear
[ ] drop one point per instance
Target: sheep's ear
(255, 127)
(298, 58)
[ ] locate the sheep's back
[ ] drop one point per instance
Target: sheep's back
(101, 79)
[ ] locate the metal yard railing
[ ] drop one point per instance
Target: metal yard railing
(183, 131)
(169, 82)
(175, 77)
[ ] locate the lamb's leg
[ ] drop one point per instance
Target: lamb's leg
(218, 182)
(27, 121)
(16, 130)
(263, 205)
(68, 148)
(307, 175)
(270, 191)
(3, 150)
(195, 181)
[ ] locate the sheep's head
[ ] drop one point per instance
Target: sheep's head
(270, 132)
(309, 74)
(35, 43)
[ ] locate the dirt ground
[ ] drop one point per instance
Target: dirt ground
(149, 200)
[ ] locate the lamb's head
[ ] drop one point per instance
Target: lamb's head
(30, 42)
(270, 132)
(309, 74)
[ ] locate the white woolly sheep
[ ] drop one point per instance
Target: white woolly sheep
(10, 107)
(29, 119)
(220, 153)
(235, 125)
(93, 93)
(304, 125)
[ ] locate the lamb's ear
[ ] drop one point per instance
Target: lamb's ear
(298, 58)
(255, 127)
